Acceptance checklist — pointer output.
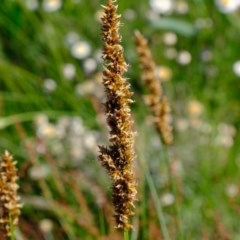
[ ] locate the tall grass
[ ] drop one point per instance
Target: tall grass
(52, 120)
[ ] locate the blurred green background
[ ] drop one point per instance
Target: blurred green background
(51, 117)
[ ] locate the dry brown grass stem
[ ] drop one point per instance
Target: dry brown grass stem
(156, 100)
(9, 200)
(119, 156)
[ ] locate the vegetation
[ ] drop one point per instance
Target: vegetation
(52, 118)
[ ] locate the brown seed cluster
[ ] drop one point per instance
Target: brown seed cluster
(9, 200)
(119, 156)
(156, 101)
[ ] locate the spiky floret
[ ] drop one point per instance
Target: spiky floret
(156, 101)
(119, 156)
(9, 200)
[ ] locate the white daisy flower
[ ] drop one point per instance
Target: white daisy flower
(51, 5)
(80, 49)
(162, 6)
(227, 6)
(236, 68)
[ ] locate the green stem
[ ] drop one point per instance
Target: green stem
(154, 193)
(174, 192)
(158, 206)
(102, 222)
(126, 235)
(144, 208)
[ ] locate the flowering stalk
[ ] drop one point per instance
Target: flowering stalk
(160, 108)
(156, 101)
(9, 200)
(118, 157)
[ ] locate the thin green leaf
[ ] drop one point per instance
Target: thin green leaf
(179, 26)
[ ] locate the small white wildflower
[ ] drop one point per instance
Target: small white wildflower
(162, 6)
(81, 49)
(232, 190)
(69, 71)
(89, 65)
(90, 141)
(39, 172)
(46, 225)
(163, 73)
(32, 5)
(129, 14)
(227, 129)
(171, 53)
(49, 85)
(225, 135)
(41, 119)
(77, 126)
(227, 6)
(85, 88)
(46, 131)
(77, 153)
(181, 7)
(51, 5)
(62, 126)
(184, 57)
(236, 68)
(195, 108)
(170, 38)
(167, 199)
(182, 124)
(71, 38)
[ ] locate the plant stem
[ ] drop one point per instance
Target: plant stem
(102, 222)
(158, 206)
(126, 235)
(153, 191)
(174, 192)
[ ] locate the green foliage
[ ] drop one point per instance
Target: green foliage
(187, 191)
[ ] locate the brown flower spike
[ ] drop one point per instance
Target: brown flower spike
(9, 200)
(118, 157)
(156, 101)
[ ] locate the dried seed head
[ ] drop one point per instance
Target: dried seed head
(118, 157)
(156, 101)
(9, 200)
